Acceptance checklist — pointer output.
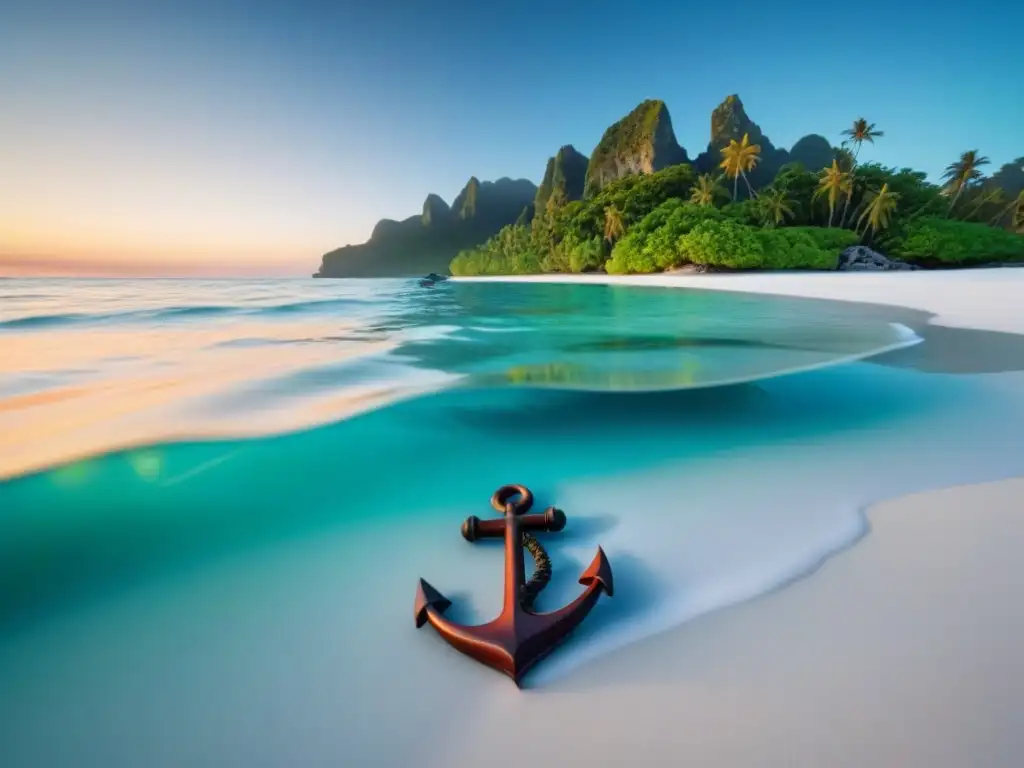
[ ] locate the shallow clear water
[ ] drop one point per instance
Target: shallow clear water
(223, 601)
(103, 364)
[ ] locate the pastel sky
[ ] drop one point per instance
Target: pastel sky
(250, 137)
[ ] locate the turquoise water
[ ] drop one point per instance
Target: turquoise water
(222, 601)
(571, 336)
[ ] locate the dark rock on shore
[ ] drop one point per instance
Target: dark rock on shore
(860, 258)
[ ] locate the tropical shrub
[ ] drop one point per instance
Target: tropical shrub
(747, 212)
(730, 245)
(829, 239)
(936, 241)
(799, 248)
(587, 256)
(722, 244)
(653, 243)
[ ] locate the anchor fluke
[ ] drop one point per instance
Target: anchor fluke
(428, 597)
(600, 571)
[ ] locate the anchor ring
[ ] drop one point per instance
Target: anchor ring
(502, 496)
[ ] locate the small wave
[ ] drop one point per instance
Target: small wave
(169, 313)
(304, 306)
(251, 342)
(75, 318)
(42, 321)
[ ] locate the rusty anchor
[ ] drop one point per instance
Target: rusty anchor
(518, 638)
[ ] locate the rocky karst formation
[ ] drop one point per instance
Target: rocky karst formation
(813, 152)
(435, 210)
(564, 177)
(729, 121)
(641, 142)
(465, 204)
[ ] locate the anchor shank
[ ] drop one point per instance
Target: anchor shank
(515, 566)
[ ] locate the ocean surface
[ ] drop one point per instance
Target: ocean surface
(216, 497)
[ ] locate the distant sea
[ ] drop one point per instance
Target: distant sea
(222, 491)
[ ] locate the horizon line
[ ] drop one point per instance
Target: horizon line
(72, 267)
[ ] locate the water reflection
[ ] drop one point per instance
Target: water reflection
(600, 337)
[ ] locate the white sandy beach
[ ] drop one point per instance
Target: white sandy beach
(905, 650)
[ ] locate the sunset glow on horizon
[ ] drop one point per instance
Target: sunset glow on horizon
(64, 266)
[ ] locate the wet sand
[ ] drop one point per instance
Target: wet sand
(905, 650)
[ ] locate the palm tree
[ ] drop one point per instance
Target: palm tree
(707, 188)
(880, 206)
(1018, 213)
(834, 182)
(860, 132)
(776, 207)
(961, 173)
(740, 157)
(613, 226)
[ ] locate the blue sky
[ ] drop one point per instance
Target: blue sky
(265, 133)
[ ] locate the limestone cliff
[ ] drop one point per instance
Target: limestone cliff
(465, 204)
(435, 211)
(563, 181)
(641, 142)
(729, 121)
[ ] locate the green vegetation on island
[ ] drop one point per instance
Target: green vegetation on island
(747, 210)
